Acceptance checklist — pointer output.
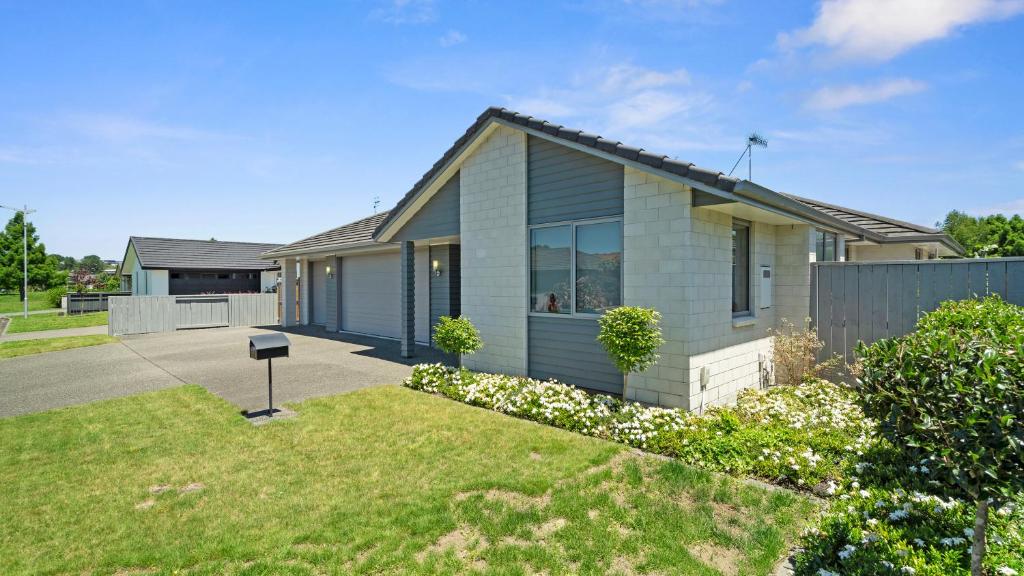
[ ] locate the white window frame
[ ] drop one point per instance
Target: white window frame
(572, 224)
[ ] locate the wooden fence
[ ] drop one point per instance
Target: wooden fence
(145, 314)
(84, 302)
(855, 301)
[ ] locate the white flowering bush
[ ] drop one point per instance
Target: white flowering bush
(793, 436)
(884, 521)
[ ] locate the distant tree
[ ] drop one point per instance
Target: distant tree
(41, 270)
(986, 236)
(93, 264)
(64, 263)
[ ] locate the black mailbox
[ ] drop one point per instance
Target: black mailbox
(266, 346)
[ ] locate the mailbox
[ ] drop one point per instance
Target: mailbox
(265, 346)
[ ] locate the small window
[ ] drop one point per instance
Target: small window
(740, 267)
(598, 267)
(550, 270)
(175, 276)
(825, 244)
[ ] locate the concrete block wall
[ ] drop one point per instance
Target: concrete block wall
(795, 246)
(493, 237)
(730, 369)
(656, 273)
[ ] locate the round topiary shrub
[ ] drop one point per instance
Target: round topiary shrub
(950, 396)
(631, 337)
(457, 336)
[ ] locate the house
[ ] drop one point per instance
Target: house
(532, 230)
(170, 266)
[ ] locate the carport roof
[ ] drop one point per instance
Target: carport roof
(176, 253)
(352, 234)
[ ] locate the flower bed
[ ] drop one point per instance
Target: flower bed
(881, 520)
(789, 435)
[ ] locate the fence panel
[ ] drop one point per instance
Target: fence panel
(146, 314)
(84, 302)
(863, 302)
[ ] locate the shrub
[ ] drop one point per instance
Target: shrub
(54, 295)
(795, 355)
(631, 337)
(950, 397)
(793, 436)
(457, 336)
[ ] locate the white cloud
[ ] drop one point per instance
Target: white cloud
(837, 97)
(451, 38)
(1011, 207)
(1019, 165)
(126, 128)
(406, 11)
(883, 29)
(629, 78)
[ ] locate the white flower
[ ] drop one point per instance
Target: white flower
(1006, 571)
(847, 551)
(898, 514)
(918, 542)
(969, 532)
(908, 570)
(887, 564)
(953, 541)
(823, 572)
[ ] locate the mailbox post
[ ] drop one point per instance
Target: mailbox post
(267, 347)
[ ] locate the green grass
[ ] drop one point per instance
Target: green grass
(14, 348)
(11, 302)
(36, 322)
(384, 480)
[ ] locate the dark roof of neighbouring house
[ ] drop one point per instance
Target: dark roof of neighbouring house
(176, 253)
(351, 234)
(890, 228)
(840, 218)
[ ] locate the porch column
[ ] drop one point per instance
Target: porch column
(304, 277)
(332, 286)
(287, 290)
(407, 307)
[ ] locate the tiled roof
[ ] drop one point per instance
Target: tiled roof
(358, 232)
(166, 253)
(889, 228)
(661, 162)
(876, 228)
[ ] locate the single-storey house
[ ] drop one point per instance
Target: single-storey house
(532, 230)
(171, 266)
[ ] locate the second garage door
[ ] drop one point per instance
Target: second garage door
(370, 294)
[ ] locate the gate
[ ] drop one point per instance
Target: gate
(868, 301)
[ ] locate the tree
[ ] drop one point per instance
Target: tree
(457, 336)
(64, 263)
(631, 337)
(41, 271)
(986, 236)
(92, 264)
(950, 397)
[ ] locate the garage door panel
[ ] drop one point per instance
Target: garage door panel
(370, 288)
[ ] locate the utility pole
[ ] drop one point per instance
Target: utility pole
(24, 256)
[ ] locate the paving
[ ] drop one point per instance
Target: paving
(218, 359)
(37, 335)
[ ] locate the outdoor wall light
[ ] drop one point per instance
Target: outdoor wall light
(330, 273)
(436, 266)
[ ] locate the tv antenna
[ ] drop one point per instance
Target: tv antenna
(376, 203)
(754, 139)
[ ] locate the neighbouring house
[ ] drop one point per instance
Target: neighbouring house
(171, 266)
(532, 230)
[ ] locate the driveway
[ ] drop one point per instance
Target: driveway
(319, 364)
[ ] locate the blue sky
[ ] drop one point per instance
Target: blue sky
(273, 121)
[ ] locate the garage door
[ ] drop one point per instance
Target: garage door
(370, 287)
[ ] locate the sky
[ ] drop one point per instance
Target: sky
(272, 121)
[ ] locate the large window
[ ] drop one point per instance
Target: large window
(584, 255)
(740, 267)
(825, 246)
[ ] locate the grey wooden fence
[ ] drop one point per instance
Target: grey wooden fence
(868, 301)
(145, 314)
(83, 302)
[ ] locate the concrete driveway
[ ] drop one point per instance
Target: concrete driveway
(320, 364)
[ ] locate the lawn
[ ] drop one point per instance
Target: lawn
(11, 302)
(54, 321)
(13, 348)
(384, 480)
